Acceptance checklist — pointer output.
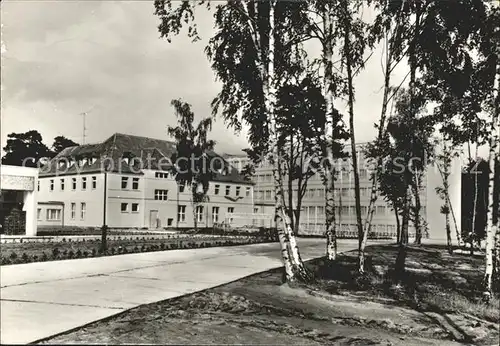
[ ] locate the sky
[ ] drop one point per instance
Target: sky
(63, 58)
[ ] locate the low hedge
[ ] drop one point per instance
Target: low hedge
(67, 250)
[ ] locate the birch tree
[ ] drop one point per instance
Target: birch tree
(248, 53)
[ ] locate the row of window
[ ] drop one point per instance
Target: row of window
(62, 183)
(125, 209)
(56, 214)
(181, 213)
(135, 183)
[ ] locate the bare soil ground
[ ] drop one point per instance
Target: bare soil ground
(432, 305)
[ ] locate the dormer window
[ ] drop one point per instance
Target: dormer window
(93, 160)
(60, 164)
(127, 156)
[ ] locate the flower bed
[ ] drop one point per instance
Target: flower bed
(15, 253)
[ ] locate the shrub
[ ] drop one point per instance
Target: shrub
(71, 254)
(85, 254)
(162, 246)
(5, 260)
(136, 249)
(93, 252)
(79, 253)
(55, 252)
(44, 257)
(125, 250)
(143, 248)
(25, 258)
(64, 240)
(112, 250)
(69, 240)
(35, 258)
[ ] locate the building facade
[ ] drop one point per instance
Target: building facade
(127, 182)
(18, 200)
(312, 211)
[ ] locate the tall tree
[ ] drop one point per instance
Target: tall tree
(25, 149)
(192, 156)
(249, 51)
(61, 143)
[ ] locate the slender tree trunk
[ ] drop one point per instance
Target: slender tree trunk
(398, 225)
(328, 174)
(447, 163)
(290, 188)
(473, 231)
(418, 227)
(492, 221)
(299, 270)
(403, 242)
(378, 166)
(350, 89)
(446, 174)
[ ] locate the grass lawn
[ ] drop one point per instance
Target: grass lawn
(433, 305)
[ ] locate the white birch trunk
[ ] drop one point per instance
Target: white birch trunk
(492, 228)
(328, 174)
(298, 270)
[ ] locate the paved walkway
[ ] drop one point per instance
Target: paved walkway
(39, 300)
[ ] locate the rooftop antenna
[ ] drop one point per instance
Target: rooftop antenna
(84, 116)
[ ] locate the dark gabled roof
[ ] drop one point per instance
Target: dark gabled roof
(113, 153)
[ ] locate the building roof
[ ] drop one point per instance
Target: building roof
(126, 154)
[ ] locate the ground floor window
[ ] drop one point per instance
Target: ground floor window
(39, 214)
(83, 210)
(181, 213)
(215, 214)
(73, 211)
(199, 213)
(124, 207)
(53, 214)
(135, 207)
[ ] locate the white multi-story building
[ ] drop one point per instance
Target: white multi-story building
(312, 216)
(126, 182)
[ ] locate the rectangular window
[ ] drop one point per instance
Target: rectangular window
(73, 211)
(62, 184)
(94, 183)
(228, 190)
(83, 210)
(320, 211)
(199, 213)
(269, 195)
(135, 207)
(53, 214)
(238, 190)
(73, 183)
(124, 182)
(248, 191)
(84, 183)
(181, 187)
(135, 183)
(216, 191)
(51, 184)
(215, 214)
(181, 213)
(269, 177)
(364, 210)
(353, 210)
(345, 192)
(124, 207)
(261, 195)
(230, 210)
(161, 195)
(163, 175)
(321, 192)
(39, 214)
(381, 210)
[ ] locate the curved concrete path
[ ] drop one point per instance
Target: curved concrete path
(42, 299)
